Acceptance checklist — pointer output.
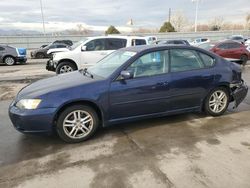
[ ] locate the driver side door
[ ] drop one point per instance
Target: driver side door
(147, 92)
(95, 50)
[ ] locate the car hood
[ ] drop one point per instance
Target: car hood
(55, 83)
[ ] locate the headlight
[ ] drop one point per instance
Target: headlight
(29, 104)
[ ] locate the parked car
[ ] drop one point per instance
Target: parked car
(229, 49)
(198, 41)
(90, 51)
(237, 38)
(10, 55)
(130, 84)
(151, 39)
(68, 42)
(42, 52)
(174, 41)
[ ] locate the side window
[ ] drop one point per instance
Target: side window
(114, 44)
(136, 42)
(184, 60)
(223, 46)
(207, 60)
(96, 45)
(61, 46)
(150, 64)
(203, 40)
(233, 45)
(2, 48)
(52, 46)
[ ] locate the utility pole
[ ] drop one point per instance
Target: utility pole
(196, 14)
(41, 5)
(169, 15)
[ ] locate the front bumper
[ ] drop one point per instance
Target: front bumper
(32, 121)
(239, 94)
(51, 65)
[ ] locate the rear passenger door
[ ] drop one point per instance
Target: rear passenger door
(191, 77)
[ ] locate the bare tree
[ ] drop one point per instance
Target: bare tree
(216, 23)
(179, 20)
(248, 21)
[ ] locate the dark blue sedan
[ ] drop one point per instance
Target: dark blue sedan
(129, 84)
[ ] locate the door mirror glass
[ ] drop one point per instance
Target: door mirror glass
(83, 48)
(126, 74)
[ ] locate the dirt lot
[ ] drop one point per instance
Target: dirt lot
(189, 150)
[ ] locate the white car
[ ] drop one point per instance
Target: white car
(90, 51)
(199, 41)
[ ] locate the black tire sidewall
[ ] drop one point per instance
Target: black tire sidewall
(60, 65)
(244, 59)
(62, 116)
(207, 109)
(40, 55)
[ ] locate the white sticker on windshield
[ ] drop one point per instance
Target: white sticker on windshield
(130, 54)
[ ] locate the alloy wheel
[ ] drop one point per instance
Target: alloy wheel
(65, 69)
(218, 101)
(9, 61)
(78, 124)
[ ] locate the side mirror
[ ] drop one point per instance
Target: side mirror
(83, 48)
(126, 75)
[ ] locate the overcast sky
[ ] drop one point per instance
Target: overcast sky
(64, 14)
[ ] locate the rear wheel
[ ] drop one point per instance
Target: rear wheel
(9, 60)
(244, 59)
(217, 101)
(65, 67)
(77, 123)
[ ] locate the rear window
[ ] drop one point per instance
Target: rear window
(207, 60)
(136, 42)
(114, 44)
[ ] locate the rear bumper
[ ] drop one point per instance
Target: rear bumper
(21, 59)
(51, 66)
(239, 94)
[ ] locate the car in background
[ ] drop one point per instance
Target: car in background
(174, 42)
(130, 84)
(237, 38)
(10, 55)
(199, 41)
(90, 51)
(67, 42)
(229, 49)
(42, 52)
(151, 39)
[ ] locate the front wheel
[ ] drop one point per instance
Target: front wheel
(77, 123)
(217, 101)
(65, 67)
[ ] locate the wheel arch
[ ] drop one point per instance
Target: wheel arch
(68, 60)
(82, 102)
(7, 55)
(223, 85)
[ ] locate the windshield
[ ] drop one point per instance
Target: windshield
(110, 63)
(74, 46)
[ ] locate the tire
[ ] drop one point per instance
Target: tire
(9, 60)
(219, 106)
(40, 55)
(70, 128)
(244, 59)
(65, 67)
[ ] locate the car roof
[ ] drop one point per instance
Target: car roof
(153, 47)
(117, 36)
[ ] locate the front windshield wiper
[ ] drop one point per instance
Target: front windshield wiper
(86, 72)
